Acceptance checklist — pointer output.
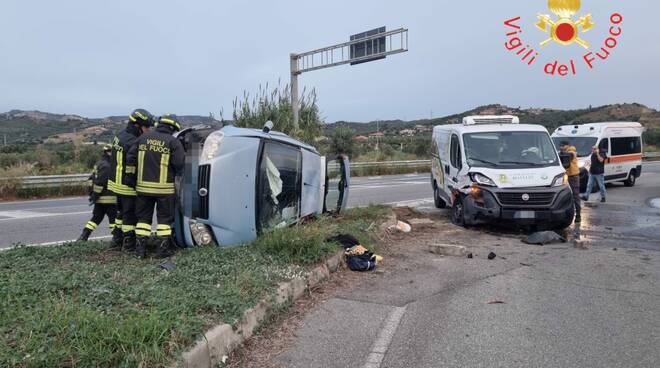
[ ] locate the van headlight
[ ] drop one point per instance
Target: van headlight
(482, 180)
(212, 145)
(584, 165)
(559, 180)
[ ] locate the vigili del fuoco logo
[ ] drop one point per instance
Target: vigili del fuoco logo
(567, 28)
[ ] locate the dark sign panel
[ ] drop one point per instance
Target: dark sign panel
(370, 47)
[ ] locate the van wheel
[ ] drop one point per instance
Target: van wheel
(438, 201)
(630, 182)
(458, 212)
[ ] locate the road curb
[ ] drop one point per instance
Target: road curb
(448, 250)
(219, 341)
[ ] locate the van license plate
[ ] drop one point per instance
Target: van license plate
(525, 215)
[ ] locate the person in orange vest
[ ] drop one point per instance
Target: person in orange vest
(573, 172)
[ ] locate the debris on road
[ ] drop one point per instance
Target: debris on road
(470, 255)
(167, 265)
(448, 250)
(358, 258)
(495, 302)
(544, 237)
(525, 264)
(491, 256)
(401, 227)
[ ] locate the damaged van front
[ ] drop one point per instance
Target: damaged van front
(495, 170)
(240, 183)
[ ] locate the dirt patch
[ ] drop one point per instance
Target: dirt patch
(262, 349)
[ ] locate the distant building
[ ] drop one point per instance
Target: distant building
(361, 138)
(377, 135)
(408, 132)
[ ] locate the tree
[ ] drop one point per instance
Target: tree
(275, 105)
(342, 141)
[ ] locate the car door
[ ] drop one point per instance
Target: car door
(455, 163)
(337, 183)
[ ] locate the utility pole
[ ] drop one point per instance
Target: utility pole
(294, 90)
(362, 48)
(5, 139)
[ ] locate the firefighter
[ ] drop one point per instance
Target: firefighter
(159, 161)
(122, 178)
(104, 201)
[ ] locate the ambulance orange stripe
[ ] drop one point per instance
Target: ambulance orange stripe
(625, 158)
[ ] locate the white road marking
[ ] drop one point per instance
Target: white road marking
(22, 215)
(411, 203)
(382, 343)
(43, 200)
(59, 242)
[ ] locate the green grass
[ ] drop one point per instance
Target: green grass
(79, 305)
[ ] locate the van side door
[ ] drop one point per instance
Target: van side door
(455, 163)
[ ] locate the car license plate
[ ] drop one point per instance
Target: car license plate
(525, 215)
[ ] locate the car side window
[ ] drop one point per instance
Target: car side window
(604, 145)
(279, 186)
(456, 158)
(626, 146)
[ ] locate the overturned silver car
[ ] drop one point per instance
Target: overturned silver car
(240, 183)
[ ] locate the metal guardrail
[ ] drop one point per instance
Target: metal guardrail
(80, 179)
(54, 180)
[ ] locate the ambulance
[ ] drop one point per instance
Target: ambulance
(621, 140)
(492, 169)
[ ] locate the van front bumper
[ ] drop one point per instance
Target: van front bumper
(544, 207)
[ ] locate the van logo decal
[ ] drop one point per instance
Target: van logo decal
(544, 177)
(525, 197)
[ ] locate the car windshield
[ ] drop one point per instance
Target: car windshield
(509, 149)
(583, 145)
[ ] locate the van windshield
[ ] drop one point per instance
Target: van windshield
(509, 150)
(583, 145)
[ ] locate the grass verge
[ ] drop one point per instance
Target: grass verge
(79, 305)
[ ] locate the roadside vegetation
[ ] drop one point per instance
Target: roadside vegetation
(80, 305)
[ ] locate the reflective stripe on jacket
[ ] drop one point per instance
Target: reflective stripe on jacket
(100, 182)
(121, 144)
(158, 158)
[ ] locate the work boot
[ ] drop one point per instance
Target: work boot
(164, 247)
(85, 234)
(602, 200)
(128, 244)
(117, 239)
(141, 247)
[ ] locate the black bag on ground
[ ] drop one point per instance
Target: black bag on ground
(346, 240)
(362, 263)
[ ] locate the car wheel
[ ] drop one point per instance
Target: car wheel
(438, 201)
(630, 182)
(458, 212)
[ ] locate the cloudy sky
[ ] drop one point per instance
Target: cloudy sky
(98, 58)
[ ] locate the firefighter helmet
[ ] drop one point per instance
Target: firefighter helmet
(171, 120)
(141, 117)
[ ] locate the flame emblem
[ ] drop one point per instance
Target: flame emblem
(565, 31)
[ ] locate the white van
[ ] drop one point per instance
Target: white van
(240, 183)
(621, 140)
(491, 169)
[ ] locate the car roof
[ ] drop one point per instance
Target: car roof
(233, 131)
(484, 128)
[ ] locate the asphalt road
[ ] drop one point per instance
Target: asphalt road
(58, 220)
(532, 306)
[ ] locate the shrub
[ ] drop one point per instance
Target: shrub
(275, 105)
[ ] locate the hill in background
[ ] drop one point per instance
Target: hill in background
(550, 118)
(37, 127)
